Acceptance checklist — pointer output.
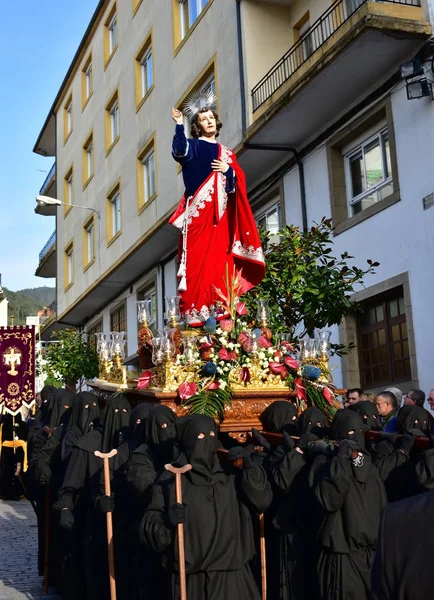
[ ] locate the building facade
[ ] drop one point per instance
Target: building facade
(312, 100)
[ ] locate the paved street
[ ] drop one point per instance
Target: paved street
(19, 578)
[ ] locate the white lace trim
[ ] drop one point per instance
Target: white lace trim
(197, 203)
(248, 252)
(226, 154)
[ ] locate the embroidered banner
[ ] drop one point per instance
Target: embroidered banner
(17, 368)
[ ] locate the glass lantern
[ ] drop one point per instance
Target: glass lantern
(263, 312)
(117, 343)
(173, 315)
(324, 336)
(144, 312)
(189, 341)
(102, 346)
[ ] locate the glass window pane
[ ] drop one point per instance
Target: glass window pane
(365, 340)
(368, 376)
(396, 333)
(401, 306)
(375, 354)
(383, 354)
(366, 357)
(357, 176)
(405, 350)
(363, 204)
(393, 308)
(387, 161)
(193, 11)
(385, 372)
(373, 339)
(385, 191)
(404, 330)
(399, 369)
(382, 337)
(407, 368)
(149, 70)
(373, 163)
(379, 313)
(397, 350)
(376, 373)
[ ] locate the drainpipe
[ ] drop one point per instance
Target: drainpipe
(241, 69)
(300, 165)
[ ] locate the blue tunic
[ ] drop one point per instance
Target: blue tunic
(195, 157)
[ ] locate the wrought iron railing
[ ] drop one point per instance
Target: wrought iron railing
(48, 179)
(314, 38)
(48, 246)
(48, 312)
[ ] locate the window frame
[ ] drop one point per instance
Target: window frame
(86, 88)
(111, 136)
(89, 258)
(122, 318)
(110, 47)
(149, 148)
(147, 47)
(112, 218)
(68, 118)
(92, 331)
(69, 265)
(88, 160)
(375, 189)
(68, 190)
(182, 28)
(277, 206)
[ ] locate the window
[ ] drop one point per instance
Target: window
(88, 160)
(86, 82)
(144, 71)
(362, 167)
(112, 125)
(92, 332)
(368, 172)
(110, 35)
(118, 320)
(146, 174)
(113, 213)
(89, 242)
(149, 294)
(271, 222)
(189, 13)
(67, 125)
(68, 190)
(383, 341)
(69, 265)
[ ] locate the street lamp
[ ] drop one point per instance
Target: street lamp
(48, 201)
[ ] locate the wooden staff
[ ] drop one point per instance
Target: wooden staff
(263, 555)
(178, 486)
(47, 537)
(109, 520)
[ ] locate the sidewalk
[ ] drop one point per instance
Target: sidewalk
(19, 579)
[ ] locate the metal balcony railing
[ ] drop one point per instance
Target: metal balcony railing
(49, 177)
(314, 38)
(48, 246)
(48, 312)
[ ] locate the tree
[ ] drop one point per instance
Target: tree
(71, 359)
(307, 287)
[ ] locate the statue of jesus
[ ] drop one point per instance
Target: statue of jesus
(214, 216)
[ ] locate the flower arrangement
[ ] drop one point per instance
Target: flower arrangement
(234, 352)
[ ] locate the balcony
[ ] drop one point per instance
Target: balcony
(346, 54)
(47, 266)
(48, 188)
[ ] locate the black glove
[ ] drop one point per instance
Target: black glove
(43, 473)
(347, 448)
(64, 502)
(66, 519)
(176, 514)
(288, 442)
(107, 503)
(405, 443)
(324, 447)
(306, 439)
(259, 440)
(387, 437)
(242, 452)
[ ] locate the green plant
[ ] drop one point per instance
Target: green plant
(306, 285)
(71, 359)
(210, 402)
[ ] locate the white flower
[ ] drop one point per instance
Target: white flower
(219, 370)
(222, 363)
(225, 369)
(231, 345)
(270, 350)
(222, 341)
(203, 340)
(261, 355)
(219, 331)
(223, 384)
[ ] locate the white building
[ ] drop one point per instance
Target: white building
(3, 308)
(304, 89)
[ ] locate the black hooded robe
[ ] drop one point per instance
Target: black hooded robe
(144, 467)
(79, 495)
(351, 492)
(11, 428)
(219, 540)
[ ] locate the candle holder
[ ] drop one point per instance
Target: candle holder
(263, 312)
(173, 315)
(117, 351)
(324, 349)
(103, 351)
(189, 342)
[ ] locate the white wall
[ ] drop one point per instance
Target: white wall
(3, 312)
(401, 237)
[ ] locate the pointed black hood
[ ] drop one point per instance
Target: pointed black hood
(115, 420)
(161, 433)
(368, 412)
(309, 418)
(278, 417)
(61, 407)
(347, 425)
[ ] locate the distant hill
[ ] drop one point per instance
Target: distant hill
(27, 302)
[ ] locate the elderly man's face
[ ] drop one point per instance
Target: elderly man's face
(409, 400)
(383, 406)
(353, 398)
(431, 399)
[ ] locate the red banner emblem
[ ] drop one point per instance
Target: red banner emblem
(17, 368)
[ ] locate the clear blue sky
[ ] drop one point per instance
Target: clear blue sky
(37, 43)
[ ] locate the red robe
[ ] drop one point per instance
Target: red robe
(218, 229)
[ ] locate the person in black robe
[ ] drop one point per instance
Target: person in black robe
(280, 416)
(369, 414)
(13, 432)
(350, 490)
(400, 464)
(85, 416)
(404, 549)
(216, 513)
(145, 466)
(77, 505)
(37, 436)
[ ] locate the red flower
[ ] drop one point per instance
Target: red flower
(288, 347)
(214, 385)
(241, 309)
(326, 392)
(277, 356)
(144, 380)
(263, 342)
(245, 375)
(291, 362)
(187, 390)
(224, 354)
(300, 390)
(278, 369)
